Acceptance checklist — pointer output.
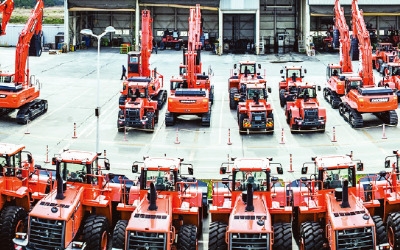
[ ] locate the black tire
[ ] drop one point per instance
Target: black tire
(240, 121)
(232, 103)
(393, 230)
(12, 219)
(282, 236)
(380, 230)
(118, 240)
(311, 236)
(187, 237)
(95, 232)
(282, 100)
(217, 233)
(150, 122)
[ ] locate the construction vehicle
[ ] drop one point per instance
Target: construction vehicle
(362, 96)
(22, 184)
(255, 113)
(191, 93)
(142, 95)
(165, 210)
(336, 73)
(385, 53)
(6, 8)
(329, 211)
(249, 209)
(171, 40)
(20, 90)
(292, 77)
(79, 212)
(391, 78)
(248, 71)
(304, 112)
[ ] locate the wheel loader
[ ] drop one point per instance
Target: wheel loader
(80, 211)
(245, 72)
(166, 209)
(332, 211)
(22, 184)
(249, 208)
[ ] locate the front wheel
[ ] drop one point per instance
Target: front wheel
(393, 230)
(13, 219)
(311, 236)
(118, 240)
(217, 233)
(187, 237)
(95, 233)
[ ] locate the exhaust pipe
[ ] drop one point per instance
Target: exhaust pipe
(345, 198)
(249, 201)
(153, 197)
(60, 189)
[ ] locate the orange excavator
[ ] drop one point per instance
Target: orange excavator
(20, 90)
(191, 93)
(362, 96)
(337, 73)
(142, 95)
(6, 8)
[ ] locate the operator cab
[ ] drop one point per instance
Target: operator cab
(253, 93)
(353, 84)
(304, 93)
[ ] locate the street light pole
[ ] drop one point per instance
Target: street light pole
(89, 32)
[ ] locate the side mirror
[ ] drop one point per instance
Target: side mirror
(259, 65)
(305, 71)
(234, 66)
(279, 170)
(269, 89)
(135, 168)
(222, 170)
(107, 164)
(53, 161)
(387, 163)
(30, 160)
(360, 166)
(304, 170)
(319, 88)
(281, 71)
(190, 170)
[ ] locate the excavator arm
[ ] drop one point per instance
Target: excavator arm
(362, 34)
(6, 8)
(341, 25)
(194, 44)
(32, 27)
(147, 42)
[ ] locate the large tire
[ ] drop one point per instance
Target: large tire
(118, 240)
(282, 100)
(232, 103)
(187, 237)
(95, 232)
(12, 220)
(380, 230)
(150, 122)
(282, 236)
(393, 230)
(311, 236)
(216, 240)
(240, 121)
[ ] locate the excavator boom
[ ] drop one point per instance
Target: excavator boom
(194, 44)
(147, 42)
(32, 27)
(362, 34)
(6, 8)
(341, 25)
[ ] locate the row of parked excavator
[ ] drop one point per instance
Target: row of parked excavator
(82, 205)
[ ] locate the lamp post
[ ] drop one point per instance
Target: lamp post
(88, 32)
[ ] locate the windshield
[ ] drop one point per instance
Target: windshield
(307, 93)
(249, 69)
(251, 93)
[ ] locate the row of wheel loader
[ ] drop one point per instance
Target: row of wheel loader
(82, 205)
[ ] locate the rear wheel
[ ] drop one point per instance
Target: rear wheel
(393, 230)
(217, 232)
(95, 233)
(381, 236)
(13, 220)
(282, 236)
(118, 240)
(311, 236)
(187, 237)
